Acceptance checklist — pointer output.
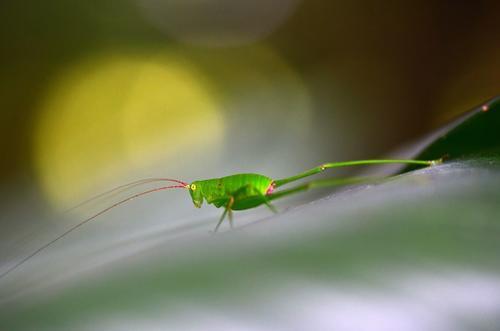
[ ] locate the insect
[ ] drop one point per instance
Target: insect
(234, 192)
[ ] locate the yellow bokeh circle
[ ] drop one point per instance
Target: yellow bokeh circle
(112, 113)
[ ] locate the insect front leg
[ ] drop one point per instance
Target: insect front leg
(226, 210)
(220, 220)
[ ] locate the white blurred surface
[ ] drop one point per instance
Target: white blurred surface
(418, 252)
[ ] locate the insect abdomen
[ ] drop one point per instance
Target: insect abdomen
(236, 182)
(222, 188)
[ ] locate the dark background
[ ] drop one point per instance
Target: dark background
(387, 71)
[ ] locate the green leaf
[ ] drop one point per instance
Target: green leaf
(418, 252)
(472, 135)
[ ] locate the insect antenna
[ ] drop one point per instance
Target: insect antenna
(122, 188)
(86, 221)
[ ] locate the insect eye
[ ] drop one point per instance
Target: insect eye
(193, 187)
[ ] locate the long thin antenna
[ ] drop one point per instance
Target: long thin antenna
(84, 222)
(124, 187)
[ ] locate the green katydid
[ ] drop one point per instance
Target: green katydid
(234, 192)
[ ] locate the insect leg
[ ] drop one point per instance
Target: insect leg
(230, 217)
(220, 220)
(325, 166)
(268, 204)
(326, 183)
(226, 210)
(264, 198)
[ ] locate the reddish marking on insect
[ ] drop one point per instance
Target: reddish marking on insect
(485, 108)
(271, 188)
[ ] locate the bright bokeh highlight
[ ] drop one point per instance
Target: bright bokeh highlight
(217, 23)
(112, 114)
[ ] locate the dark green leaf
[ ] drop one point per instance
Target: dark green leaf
(474, 134)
